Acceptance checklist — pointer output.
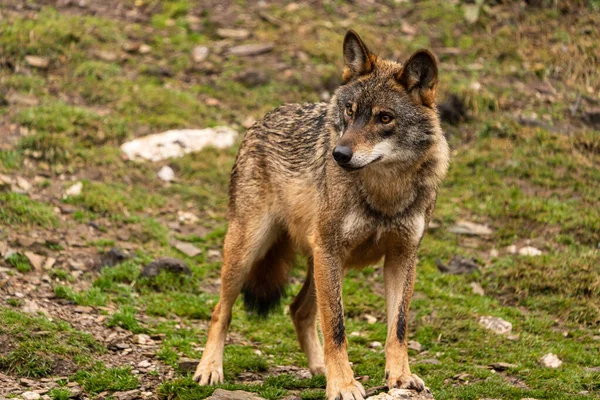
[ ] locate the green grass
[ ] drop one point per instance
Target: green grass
(18, 209)
(526, 183)
(100, 379)
(37, 347)
(20, 262)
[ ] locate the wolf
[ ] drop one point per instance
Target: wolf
(344, 183)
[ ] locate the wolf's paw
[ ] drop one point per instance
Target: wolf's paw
(209, 374)
(345, 391)
(408, 381)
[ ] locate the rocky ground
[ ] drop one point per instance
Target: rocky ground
(109, 267)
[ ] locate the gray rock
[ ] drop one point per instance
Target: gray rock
(221, 394)
(470, 228)
(187, 364)
(400, 394)
(251, 49)
(186, 248)
(501, 366)
(496, 325)
(30, 396)
(165, 264)
(458, 266)
(38, 62)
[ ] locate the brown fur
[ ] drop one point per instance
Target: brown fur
(289, 195)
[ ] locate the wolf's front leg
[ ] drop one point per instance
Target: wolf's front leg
(399, 273)
(341, 384)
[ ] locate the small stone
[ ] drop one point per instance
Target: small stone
(142, 338)
(252, 77)
(238, 34)
(129, 395)
(370, 319)
(414, 345)
(408, 29)
(49, 263)
(76, 391)
(36, 260)
(199, 54)
(27, 382)
(222, 394)
(106, 55)
(186, 217)
(83, 309)
(22, 99)
(477, 289)
(186, 248)
(145, 49)
(550, 361)
(512, 249)
(501, 366)
(375, 345)
(30, 396)
(173, 265)
(251, 49)
(496, 325)
(494, 253)
(530, 251)
(432, 361)
(214, 255)
(248, 121)
(38, 62)
(458, 266)
(131, 47)
(470, 228)
(113, 257)
(74, 190)
(187, 364)
(166, 173)
(144, 364)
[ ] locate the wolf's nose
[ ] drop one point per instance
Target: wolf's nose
(342, 154)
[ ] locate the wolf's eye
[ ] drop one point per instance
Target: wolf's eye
(349, 110)
(385, 118)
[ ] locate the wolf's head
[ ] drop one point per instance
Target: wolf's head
(385, 111)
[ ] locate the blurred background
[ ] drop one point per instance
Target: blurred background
(507, 300)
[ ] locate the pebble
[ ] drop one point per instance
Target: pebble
(550, 360)
(30, 396)
(496, 325)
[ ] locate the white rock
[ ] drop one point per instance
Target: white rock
(494, 253)
(403, 394)
(142, 338)
(477, 289)
(145, 49)
(476, 86)
(144, 364)
(176, 143)
(551, 361)
(496, 325)
(414, 345)
(370, 319)
(199, 53)
(470, 228)
(512, 249)
(530, 251)
(186, 217)
(74, 190)
(375, 345)
(23, 184)
(30, 396)
(166, 173)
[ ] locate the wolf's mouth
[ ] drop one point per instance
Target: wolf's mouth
(349, 167)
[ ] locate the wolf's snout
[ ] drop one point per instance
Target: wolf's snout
(342, 154)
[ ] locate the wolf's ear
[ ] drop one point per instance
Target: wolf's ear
(358, 59)
(419, 76)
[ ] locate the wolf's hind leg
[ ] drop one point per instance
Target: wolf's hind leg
(304, 315)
